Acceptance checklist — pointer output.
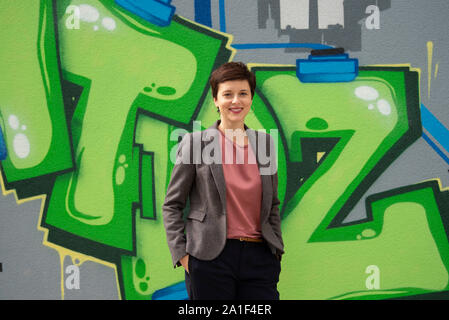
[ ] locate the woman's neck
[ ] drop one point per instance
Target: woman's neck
(236, 134)
(231, 126)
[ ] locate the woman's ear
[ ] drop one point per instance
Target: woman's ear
(216, 105)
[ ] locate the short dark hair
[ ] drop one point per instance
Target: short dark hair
(232, 71)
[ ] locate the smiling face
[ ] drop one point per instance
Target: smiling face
(234, 101)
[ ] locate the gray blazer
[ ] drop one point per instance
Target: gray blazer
(201, 179)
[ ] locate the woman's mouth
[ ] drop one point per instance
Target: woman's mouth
(235, 110)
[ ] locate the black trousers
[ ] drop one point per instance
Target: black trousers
(242, 271)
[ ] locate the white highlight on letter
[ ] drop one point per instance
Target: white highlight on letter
(108, 23)
(384, 107)
(13, 122)
(21, 145)
(88, 13)
(366, 93)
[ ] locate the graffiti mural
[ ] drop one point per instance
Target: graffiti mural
(337, 148)
(91, 100)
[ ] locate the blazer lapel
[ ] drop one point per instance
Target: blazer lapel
(217, 168)
(217, 173)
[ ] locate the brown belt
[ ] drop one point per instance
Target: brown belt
(251, 239)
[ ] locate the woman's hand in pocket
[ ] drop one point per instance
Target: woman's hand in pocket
(185, 262)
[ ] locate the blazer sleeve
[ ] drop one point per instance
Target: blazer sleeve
(274, 217)
(182, 178)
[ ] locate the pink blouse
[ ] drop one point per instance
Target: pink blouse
(243, 190)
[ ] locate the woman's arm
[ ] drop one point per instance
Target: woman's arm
(182, 178)
(275, 218)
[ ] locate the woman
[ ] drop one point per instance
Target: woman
(230, 245)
